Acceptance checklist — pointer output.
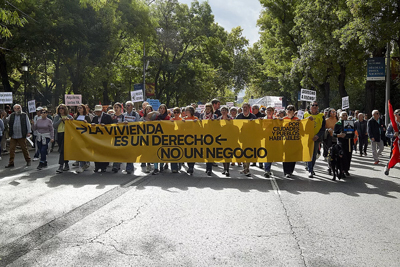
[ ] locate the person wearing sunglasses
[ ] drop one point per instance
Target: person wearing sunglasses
(390, 133)
(319, 130)
(82, 115)
(375, 130)
(44, 135)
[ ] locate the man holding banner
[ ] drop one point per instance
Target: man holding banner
(319, 129)
(393, 132)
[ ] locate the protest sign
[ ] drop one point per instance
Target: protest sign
(345, 103)
(200, 141)
(6, 98)
(230, 104)
(308, 95)
(300, 114)
(73, 100)
(136, 96)
(31, 106)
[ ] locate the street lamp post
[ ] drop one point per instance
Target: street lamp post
(25, 69)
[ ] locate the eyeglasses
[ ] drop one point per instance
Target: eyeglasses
(44, 112)
(376, 113)
(176, 112)
(290, 109)
(61, 108)
(315, 105)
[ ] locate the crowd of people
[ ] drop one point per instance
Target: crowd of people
(331, 128)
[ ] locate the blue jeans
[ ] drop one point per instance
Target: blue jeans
(176, 166)
(129, 166)
(267, 166)
(311, 163)
(42, 149)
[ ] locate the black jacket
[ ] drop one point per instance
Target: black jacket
(374, 129)
(106, 119)
(361, 127)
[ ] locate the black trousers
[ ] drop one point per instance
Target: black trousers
(288, 167)
(363, 143)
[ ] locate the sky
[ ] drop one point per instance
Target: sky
(232, 13)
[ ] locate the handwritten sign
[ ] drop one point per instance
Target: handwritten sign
(308, 95)
(345, 103)
(31, 106)
(6, 98)
(137, 96)
(73, 100)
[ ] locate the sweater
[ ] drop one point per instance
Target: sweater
(44, 126)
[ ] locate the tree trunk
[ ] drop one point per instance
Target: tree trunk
(370, 87)
(4, 74)
(342, 80)
(105, 92)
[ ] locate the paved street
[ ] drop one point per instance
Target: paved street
(93, 219)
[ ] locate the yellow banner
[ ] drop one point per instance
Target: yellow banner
(200, 141)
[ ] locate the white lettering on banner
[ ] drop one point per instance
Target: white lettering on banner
(31, 106)
(230, 104)
(308, 95)
(345, 102)
(73, 100)
(137, 96)
(6, 98)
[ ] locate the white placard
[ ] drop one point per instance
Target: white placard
(73, 100)
(345, 103)
(300, 114)
(137, 96)
(230, 104)
(308, 95)
(6, 98)
(31, 106)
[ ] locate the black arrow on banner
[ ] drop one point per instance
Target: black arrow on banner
(219, 139)
(84, 129)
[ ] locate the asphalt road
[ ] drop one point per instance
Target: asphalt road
(93, 219)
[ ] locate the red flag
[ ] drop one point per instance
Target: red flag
(395, 152)
(391, 115)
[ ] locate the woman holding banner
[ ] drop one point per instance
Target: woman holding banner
(190, 117)
(208, 115)
(225, 116)
(345, 140)
(288, 167)
(82, 115)
(59, 125)
(330, 123)
(162, 116)
(146, 167)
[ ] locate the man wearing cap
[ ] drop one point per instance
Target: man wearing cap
(19, 129)
(35, 133)
(216, 104)
(101, 118)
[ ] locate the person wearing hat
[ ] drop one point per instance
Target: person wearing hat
(101, 118)
(216, 104)
(35, 132)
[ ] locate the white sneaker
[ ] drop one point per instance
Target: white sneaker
(35, 159)
(0, 158)
(79, 170)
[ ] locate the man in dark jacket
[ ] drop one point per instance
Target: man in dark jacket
(101, 118)
(361, 126)
(19, 130)
(374, 133)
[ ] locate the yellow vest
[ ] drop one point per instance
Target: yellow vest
(318, 119)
